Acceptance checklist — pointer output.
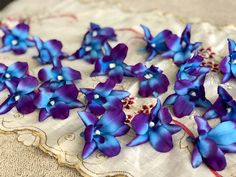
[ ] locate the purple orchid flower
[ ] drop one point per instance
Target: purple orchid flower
(212, 143)
(59, 76)
(152, 81)
(49, 52)
(57, 103)
(155, 45)
(101, 133)
(180, 48)
(103, 98)
(224, 107)
(113, 65)
(94, 45)
(16, 40)
(228, 63)
(12, 73)
(192, 69)
(22, 94)
(155, 128)
(187, 96)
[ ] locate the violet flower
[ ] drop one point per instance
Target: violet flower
(101, 133)
(94, 45)
(228, 64)
(224, 107)
(113, 65)
(16, 39)
(155, 45)
(57, 103)
(12, 73)
(187, 96)
(58, 75)
(152, 81)
(180, 48)
(155, 128)
(49, 52)
(22, 95)
(212, 143)
(192, 69)
(103, 98)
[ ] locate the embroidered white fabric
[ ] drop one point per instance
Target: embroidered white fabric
(68, 21)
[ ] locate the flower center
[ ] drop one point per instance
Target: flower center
(97, 132)
(153, 45)
(94, 33)
(7, 75)
(112, 65)
(88, 48)
(229, 109)
(60, 77)
(52, 102)
(14, 42)
(148, 76)
(151, 124)
(96, 96)
(17, 97)
(193, 93)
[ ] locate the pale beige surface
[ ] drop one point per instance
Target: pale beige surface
(18, 160)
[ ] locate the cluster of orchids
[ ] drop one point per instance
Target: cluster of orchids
(54, 92)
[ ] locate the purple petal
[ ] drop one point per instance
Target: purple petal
(21, 30)
(96, 108)
(116, 74)
(196, 158)
(173, 42)
(159, 84)
(139, 139)
(60, 111)
(161, 139)
(119, 52)
(70, 74)
(88, 133)
(45, 74)
(231, 45)
(43, 114)
(27, 85)
(67, 93)
(88, 149)
(202, 124)
(147, 32)
(185, 36)
(18, 69)
(233, 69)
(7, 105)
(54, 46)
(3, 68)
(224, 65)
(183, 107)
(226, 78)
(25, 105)
(88, 118)
(172, 128)
(105, 88)
(144, 89)
(140, 124)
(121, 131)
(228, 148)
(121, 94)
(164, 115)
(170, 100)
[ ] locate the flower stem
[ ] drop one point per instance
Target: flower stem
(131, 30)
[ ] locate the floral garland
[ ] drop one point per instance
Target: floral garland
(103, 117)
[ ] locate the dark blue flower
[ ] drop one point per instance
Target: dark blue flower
(16, 39)
(188, 95)
(58, 76)
(155, 45)
(57, 103)
(212, 143)
(152, 81)
(155, 128)
(228, 64)
(103, 98)
(94, 45)
(113, 65)
(49, 52)
(180, 48)
(224, 107)
(12, 73)
(22, 95)
(101, 133)
(192, 69)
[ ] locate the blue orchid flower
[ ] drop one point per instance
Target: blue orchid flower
(103, 98)
(192, 69)
(212, 143)
(12, 73)
(188, 95)
(58, 76)
(224, 107)
(228, 64)
(57, 103)
(152, 81)
(180, 48)
(155, 128)
(16, 39)
(101, 133)
(49, 52)
(22, 95)
(113, 64)
(95, 44)
(155, 45)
